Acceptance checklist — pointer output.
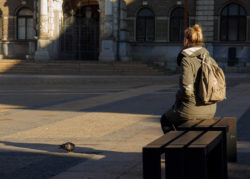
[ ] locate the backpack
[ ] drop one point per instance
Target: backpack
(212, 85)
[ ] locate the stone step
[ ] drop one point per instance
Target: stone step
(83, 72)
(78, 67)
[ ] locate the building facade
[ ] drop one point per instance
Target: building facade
(121, 30)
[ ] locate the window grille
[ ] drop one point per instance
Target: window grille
(145, 25)
(177, 24)
(25, 24)
(233, 23)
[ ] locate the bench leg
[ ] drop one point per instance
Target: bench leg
(196, 165)
(231, 137)
(151, 164)
(217, 162)
(207, 166)
(174, 163)
(231, 144)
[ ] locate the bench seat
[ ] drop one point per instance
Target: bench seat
(226, 124)
(189, 155)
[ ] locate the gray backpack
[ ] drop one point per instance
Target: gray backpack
(212, 86)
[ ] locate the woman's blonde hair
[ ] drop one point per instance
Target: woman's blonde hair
(193, 36)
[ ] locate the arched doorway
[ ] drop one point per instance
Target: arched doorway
(80, 31)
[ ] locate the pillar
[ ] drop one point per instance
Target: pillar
(43, 38)
(108, 44)
(124, 46)
(5, 27)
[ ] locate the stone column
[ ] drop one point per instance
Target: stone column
(108, 44)
(5, 27)
(5, 34)
(56, 15)
(205, 17)
(124, 46)
(43, 38)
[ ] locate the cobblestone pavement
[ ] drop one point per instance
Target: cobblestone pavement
(109, 118)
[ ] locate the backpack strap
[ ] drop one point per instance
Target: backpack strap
(204, 57)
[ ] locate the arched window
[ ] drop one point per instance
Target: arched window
(25, 27)
(145, 25)
(233, 23)
(176, 24)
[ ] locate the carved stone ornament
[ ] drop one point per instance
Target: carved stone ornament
(57, 4)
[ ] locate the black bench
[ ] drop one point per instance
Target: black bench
(189, 155)
(226, 124)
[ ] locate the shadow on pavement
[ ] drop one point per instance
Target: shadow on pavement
(241, 169)
(151, 104)
(49, 161)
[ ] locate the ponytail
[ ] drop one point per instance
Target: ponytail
(193, 35)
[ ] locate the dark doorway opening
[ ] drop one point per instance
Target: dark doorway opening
(80, 33)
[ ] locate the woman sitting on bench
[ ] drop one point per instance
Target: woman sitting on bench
(187, 105)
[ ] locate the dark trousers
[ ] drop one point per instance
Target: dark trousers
(169, 120)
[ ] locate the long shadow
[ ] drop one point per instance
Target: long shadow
(241, 169)
(47, 99)
(243, 127)
(151, 104)
(35, 165)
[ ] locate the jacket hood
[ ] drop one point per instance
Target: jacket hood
(194, 51)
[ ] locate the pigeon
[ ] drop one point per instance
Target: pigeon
(68, 146)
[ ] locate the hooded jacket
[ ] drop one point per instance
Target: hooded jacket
(188, 105)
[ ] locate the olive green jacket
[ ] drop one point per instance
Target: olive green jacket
(188, 105)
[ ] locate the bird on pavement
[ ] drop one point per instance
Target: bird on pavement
(68, 146)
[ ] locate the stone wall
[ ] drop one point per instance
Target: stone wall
(162, 10)
(242, 53)
(9, 46)
(204, 12)
(158, 53)
(205, 18)
(17, 49)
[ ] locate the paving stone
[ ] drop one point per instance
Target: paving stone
(109, 120)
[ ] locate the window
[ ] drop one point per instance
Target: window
(145, 25)
(25, 28)
(233, 23)
(176, 24)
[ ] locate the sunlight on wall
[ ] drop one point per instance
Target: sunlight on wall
(6, 65)
(129, 1)
(5, 10)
